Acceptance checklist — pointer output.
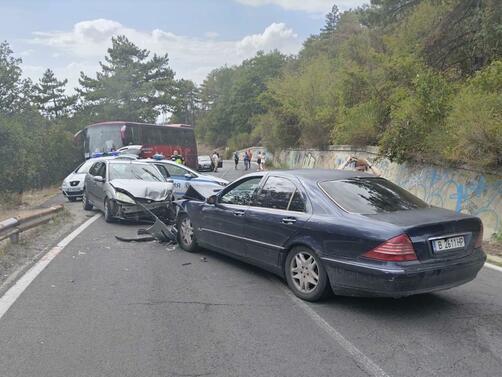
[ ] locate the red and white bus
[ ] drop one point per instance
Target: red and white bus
(107, 137)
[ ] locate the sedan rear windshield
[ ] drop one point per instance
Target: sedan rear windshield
(142, 172)
(370, 195)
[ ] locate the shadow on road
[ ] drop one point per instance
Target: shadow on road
(406, 308)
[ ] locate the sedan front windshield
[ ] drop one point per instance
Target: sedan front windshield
(143, 172)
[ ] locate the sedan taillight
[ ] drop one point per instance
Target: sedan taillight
(397, 249)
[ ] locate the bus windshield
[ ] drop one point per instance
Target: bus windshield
(103, 138)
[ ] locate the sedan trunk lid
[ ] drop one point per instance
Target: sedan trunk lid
(426, 225)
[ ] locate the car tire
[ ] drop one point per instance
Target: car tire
(306, 275)
(108, 210)
(186, 235)
(85, 202)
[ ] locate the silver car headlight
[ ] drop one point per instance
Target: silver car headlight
(121, 197)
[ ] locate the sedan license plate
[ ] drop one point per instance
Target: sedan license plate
(449, 243)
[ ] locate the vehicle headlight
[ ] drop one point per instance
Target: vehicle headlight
(121, 197)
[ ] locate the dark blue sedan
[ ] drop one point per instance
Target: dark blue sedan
(359, 234)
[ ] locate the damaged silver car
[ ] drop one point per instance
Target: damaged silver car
(123, 189)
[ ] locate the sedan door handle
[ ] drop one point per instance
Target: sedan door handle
(288, 220)
(238, 213)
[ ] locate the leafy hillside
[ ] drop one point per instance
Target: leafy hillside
(420, 78)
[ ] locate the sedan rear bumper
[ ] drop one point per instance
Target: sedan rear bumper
(358, 278)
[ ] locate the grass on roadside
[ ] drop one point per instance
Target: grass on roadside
(15, 204)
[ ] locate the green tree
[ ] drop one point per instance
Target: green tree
(130, 86)
(50, 96)
(332, 19)
(468, 37)
(13, 88)
(474, 125)
(186, 99)
(230, 98)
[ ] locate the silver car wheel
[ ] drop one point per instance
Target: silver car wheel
(304, 272)
(186, 231)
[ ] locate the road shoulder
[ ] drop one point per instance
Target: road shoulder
(16, 259)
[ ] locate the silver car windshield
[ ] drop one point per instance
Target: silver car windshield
(142, 172)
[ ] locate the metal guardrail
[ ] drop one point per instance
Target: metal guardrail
(12, 227)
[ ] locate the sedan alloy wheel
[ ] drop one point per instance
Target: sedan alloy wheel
(305, 274)
(186, 235)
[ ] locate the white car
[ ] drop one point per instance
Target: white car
(130, 150)
(73, 185)
(182, 176)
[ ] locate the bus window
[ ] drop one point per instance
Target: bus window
(105, 138)
(133, 135)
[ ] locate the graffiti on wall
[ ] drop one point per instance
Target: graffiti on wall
(461, 190)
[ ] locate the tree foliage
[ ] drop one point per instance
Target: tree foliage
(130, 85)
(50, 97)
(230, 97)
(408, 75)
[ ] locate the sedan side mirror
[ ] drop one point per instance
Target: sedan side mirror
(98, 178)
(188, 176)
(213, 199)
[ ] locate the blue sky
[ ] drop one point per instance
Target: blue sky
(70, 36)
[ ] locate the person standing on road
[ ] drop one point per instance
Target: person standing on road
(236, 159)
(246, 160)
(250, 155)
(263, 160)
(215, 159)
(258, 161)
(176, 157)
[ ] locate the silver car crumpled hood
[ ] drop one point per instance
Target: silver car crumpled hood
(156, 191)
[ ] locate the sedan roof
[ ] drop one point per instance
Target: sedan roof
(316, 175)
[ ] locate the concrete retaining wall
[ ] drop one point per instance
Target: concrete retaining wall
(472, 192)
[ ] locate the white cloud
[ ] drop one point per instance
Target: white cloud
(277, 35)
(190, 57)
(310, 6)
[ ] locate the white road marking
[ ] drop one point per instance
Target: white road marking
(493, 267)
(24, 281)
(364, 361)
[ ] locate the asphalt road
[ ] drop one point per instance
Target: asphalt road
(106, 308)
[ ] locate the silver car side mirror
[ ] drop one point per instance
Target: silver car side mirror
(213, 199)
